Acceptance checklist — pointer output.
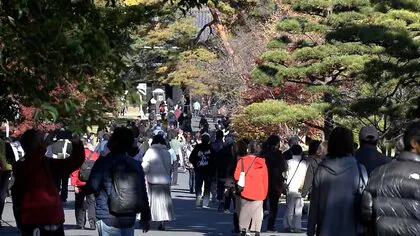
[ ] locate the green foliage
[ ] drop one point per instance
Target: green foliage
(367, 58)
(278, 112)
(280, 42)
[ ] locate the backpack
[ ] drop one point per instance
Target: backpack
(127, 190)
(86, 168)
(61, 149)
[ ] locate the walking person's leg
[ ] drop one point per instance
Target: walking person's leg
(297, 218)
(90, 207)
(245, 216)
(199, 180)
(288, 214)
(207, 189)
(79, 209)
(191, 180)
(64, 188)
(273, 199)
(175, 172)
(4, 189)
(257, 217)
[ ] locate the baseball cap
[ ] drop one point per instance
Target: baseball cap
(369, 133)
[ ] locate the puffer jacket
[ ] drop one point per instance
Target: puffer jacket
(157, 164)
(391, 200)
(256, 180)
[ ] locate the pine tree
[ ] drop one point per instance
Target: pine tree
(361, 56)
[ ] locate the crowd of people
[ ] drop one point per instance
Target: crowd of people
(125, 175)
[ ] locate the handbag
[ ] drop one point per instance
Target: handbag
(86, 168)
(240, 185)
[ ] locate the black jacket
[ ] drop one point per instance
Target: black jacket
(276, 166)
(391, 200)
(370, 157)
(203, 160)
(310, 173)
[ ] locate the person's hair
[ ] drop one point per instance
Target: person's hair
(273, 140)
(254, 148)
(322, 149)
(412, 133)
(136, 131)
(172, 134)
(121, 140)
(106, 136)
(240, 148)
(158, 139)
(296, 149)
(85, 142)
(30, 140)
(341, 142)
(293, 141)
(219, 134)
(205, 138)
(313, 147)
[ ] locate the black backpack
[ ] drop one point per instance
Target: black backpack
(127, 190)
(84, 171)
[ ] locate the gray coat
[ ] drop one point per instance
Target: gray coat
(332, 199)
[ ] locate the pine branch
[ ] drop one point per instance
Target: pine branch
(208, 25)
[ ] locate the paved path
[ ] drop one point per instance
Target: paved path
(189, 221)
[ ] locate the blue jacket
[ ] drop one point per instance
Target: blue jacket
(100, 183)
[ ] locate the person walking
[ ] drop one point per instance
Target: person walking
(297, 168)
(6, 160)
(115, 209)
(84, 202)
(390, 202)
(157, 166)
(316, 153)
(197, 108)
(175, 143)
(337, 184)
(368, 154)
(36, 202)
(220, 169)
(254, 172)
(277, 167)
(186, 153)
(202, 158)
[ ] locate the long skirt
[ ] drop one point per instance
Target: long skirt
(160, 202)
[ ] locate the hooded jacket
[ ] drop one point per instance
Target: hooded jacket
(391, 200)
(256, 180)
(333, 194)
(157, 164)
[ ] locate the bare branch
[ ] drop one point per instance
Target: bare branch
(197, 38)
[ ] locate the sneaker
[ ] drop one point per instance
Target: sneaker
(271, 231)
(227, 211)
(191, 190)
(206, 207)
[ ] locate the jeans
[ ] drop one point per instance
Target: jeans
(192, 178)
(4, 188)
(200, 179)
(105, 230)
(82, 204)
(175, 172)
(293, 215)
(273, 199)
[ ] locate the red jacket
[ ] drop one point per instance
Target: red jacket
(256, 180)
(34, 191)
(75, 181)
